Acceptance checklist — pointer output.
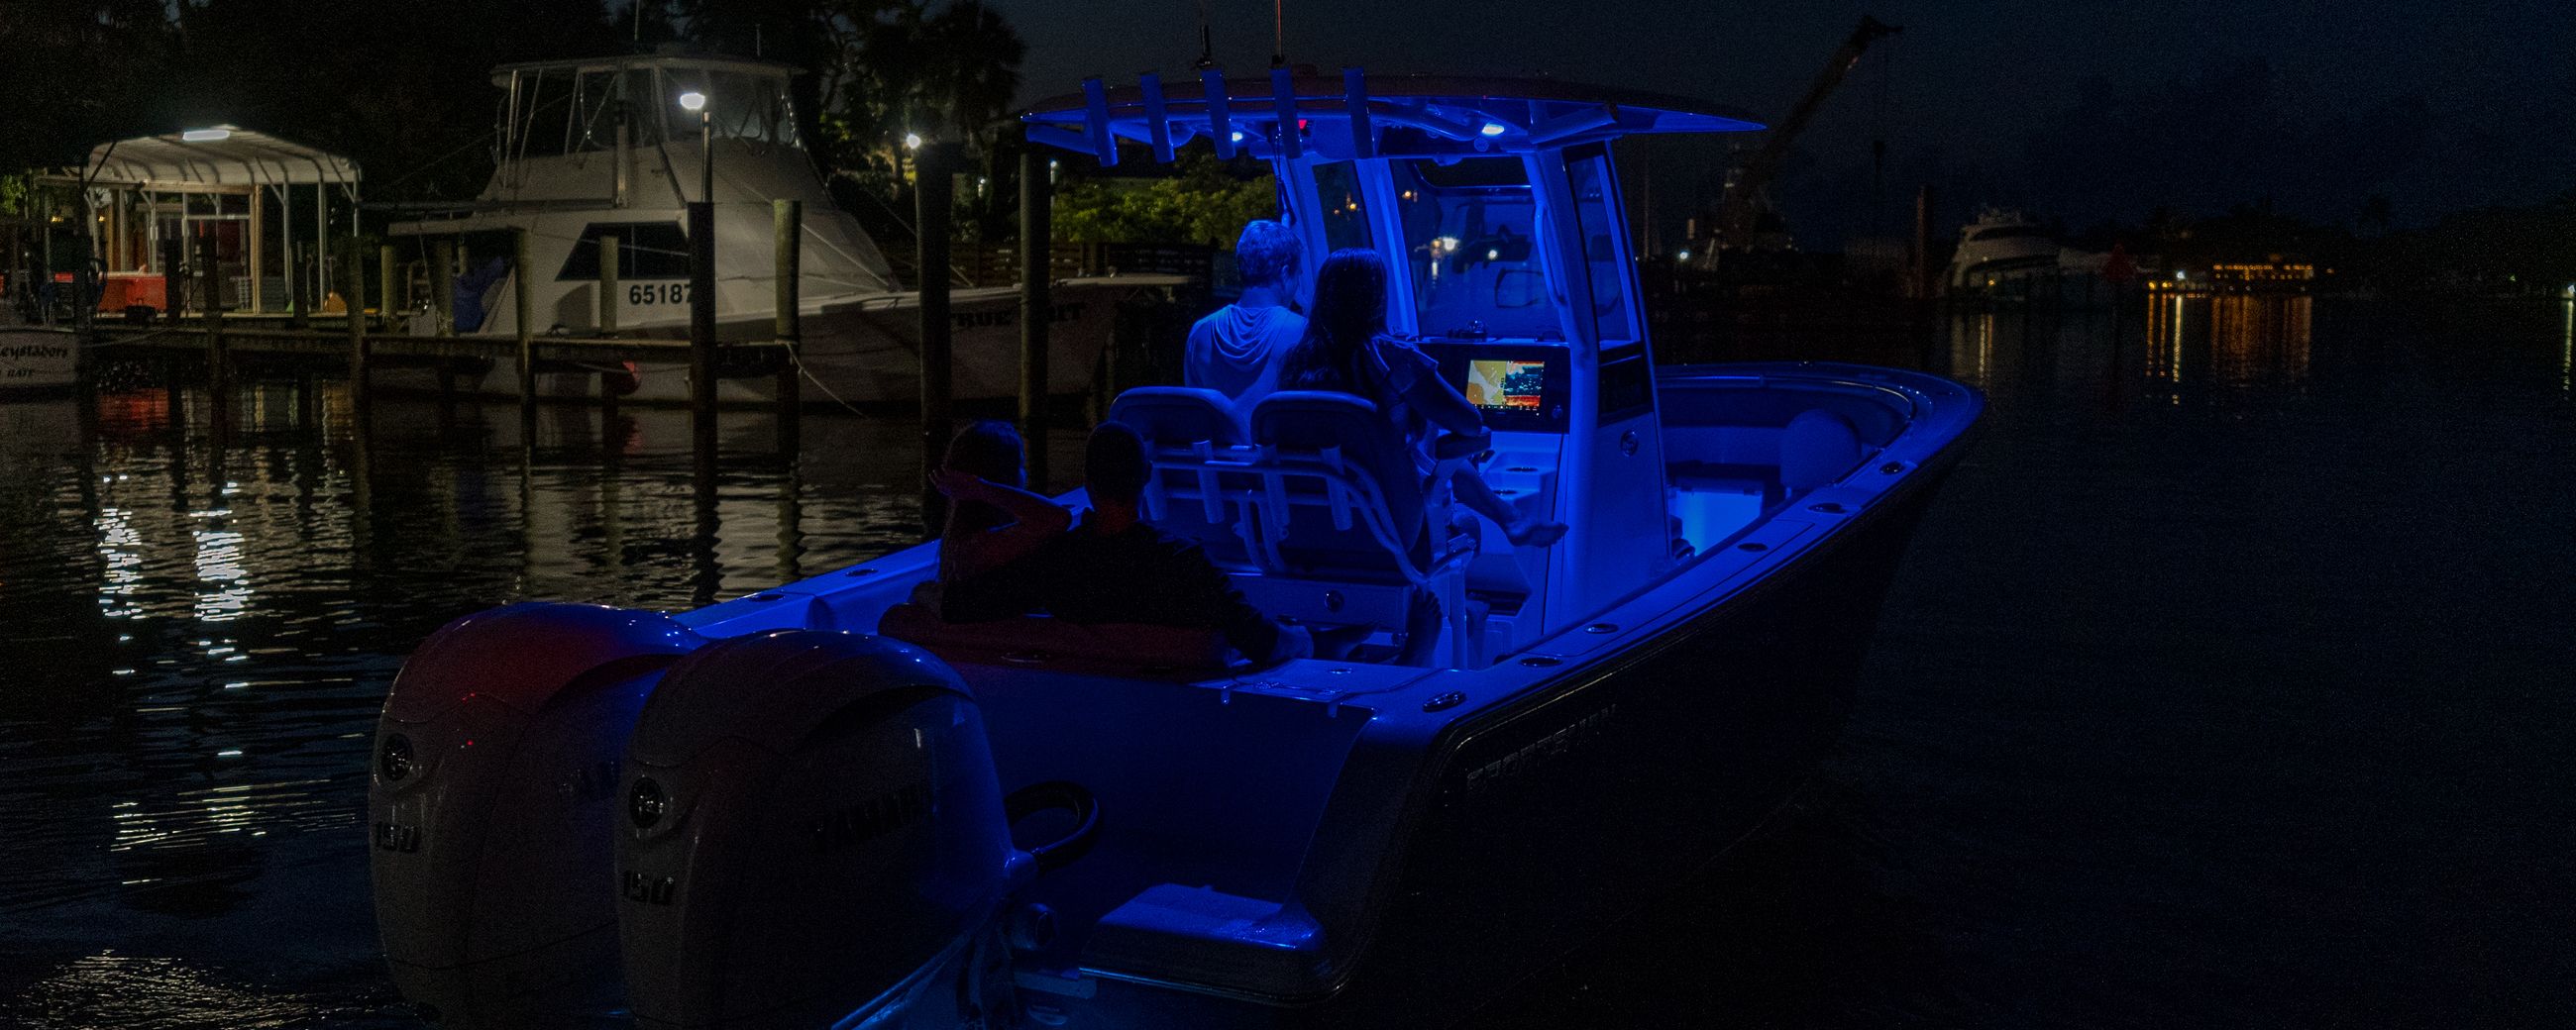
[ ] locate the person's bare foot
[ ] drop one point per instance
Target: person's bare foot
(1336, 642)
(1534, 533)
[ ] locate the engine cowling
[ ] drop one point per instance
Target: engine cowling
(813, 834)
(490, 807)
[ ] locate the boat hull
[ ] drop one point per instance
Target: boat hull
(38, 359)
(860, 353)
(1616, 786)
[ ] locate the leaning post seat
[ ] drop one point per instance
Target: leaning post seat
(1342, 516)
(1186, 430)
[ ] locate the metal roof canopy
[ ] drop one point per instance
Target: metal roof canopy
(1385, 115)
(240, 157)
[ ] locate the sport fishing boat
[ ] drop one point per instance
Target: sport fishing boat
(819, 805)
(606, 147)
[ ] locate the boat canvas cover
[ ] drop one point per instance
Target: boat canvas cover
(240, 157)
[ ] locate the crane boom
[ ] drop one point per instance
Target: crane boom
(1740, 206)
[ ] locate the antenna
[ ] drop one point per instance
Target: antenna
(1207, 43)
(1279, 33)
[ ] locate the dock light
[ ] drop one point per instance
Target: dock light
(1490, 130)
(206, 135)
(695, 103)
(912, 141)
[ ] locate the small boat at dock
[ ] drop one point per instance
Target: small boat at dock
(38, 358)
(819, 805)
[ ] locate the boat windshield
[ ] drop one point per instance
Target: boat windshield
(551, 112)
(1470, 240)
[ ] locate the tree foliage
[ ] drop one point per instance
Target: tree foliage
(1203, 202)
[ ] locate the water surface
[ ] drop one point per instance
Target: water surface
(2223, 686)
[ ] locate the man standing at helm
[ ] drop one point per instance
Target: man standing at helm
(1235, 351)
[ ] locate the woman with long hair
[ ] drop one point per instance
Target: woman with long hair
(1346, 349)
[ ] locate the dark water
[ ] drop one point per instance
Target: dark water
(2226, 684)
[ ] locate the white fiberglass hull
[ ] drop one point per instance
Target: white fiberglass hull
(859, 352)
(37, 359)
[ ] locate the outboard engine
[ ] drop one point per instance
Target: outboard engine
(814, 836)
(491, 807)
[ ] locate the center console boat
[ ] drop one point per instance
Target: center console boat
(817, 805)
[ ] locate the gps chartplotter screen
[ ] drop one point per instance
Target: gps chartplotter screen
(1515, 387)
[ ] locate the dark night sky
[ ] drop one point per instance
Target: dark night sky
(2081, 110)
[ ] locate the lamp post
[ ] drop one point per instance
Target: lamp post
(695, 102)
(702, 286)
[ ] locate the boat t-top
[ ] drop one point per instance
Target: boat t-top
(819, 805)
(609, 147)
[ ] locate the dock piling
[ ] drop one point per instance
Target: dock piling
(608, 272)
(702, 318)
(299, 303)
(386, 295)
(525, 312)
(442, 284)
(354, 297)
(1036, 232)
(934, 197)
(787, 219)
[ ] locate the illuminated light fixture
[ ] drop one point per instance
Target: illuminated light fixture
(206, 135)
(1490, 130)
(912, 141)
(1683, 255)
(693, 101)
(1493, 255)
(1238, 135)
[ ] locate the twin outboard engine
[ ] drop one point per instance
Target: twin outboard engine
(789, 829)
(491, 804)
(813, 836)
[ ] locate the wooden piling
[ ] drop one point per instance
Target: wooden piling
(442, 284)
(525, 311)
(299, 304)
(608, 273)
(386, 295)
(934, 196)
(218, 364)
(354, 297)
(787, 224)
(702, 315)
(1036, 308)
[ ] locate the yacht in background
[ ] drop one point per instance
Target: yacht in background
(604, 146)
(1999, 247)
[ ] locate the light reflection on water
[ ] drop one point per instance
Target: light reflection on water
(199, 627)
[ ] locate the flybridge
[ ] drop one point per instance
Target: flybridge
(1361, 116)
